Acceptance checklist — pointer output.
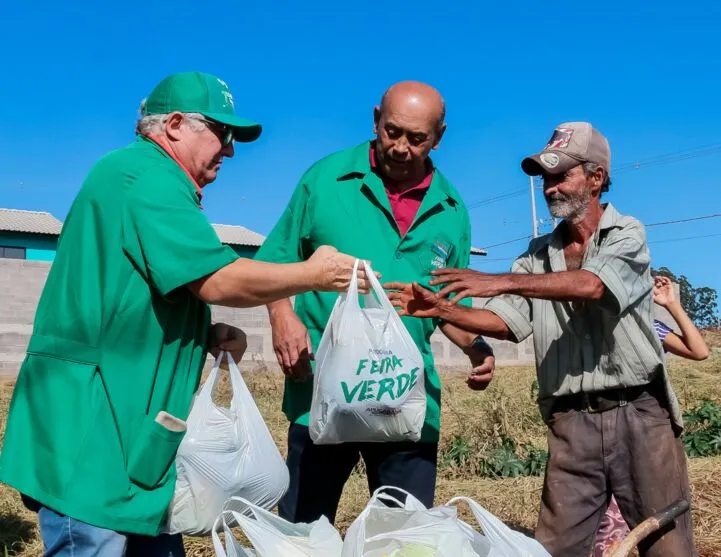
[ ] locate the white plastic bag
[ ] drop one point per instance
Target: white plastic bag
(504, 542)
(369, 381)
(272, 536)
(226, 452)
(409, 529)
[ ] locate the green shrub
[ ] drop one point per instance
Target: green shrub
(501, 460)
(702, 435)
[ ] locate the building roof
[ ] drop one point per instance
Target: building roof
(241, 236)
(238, 235)
(40, 222)
(30, 222)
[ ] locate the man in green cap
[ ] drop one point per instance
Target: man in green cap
(123, 328)
(383, 200)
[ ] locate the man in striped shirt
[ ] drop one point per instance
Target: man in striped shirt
(584, 292)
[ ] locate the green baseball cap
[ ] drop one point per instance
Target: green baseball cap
(205, 94)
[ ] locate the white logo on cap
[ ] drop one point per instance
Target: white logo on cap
(550, 160)
(228, 98)
(226, 93)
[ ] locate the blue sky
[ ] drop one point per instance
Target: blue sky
(311, 72)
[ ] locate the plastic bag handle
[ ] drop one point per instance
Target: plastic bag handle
(499, 534)
(411, 503)
(238, 386)
(377, 288)
(353, 286)
(351, 299)
(214, 375)
(236, 380)
(219, 523)
(212, 380)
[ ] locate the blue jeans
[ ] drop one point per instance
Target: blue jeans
(66, 537)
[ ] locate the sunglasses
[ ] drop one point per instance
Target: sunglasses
(224, 132)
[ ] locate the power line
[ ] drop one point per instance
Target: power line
(495, 198)
(661, 223)
(683, 220)
(668, 158)
(684, 239)
(485, 259)
(508, 242)
(657, 160)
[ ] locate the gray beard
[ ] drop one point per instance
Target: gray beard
(571, 208)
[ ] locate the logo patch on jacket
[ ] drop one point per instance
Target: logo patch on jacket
(441, 252)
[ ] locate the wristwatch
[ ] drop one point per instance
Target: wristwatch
(480, 344)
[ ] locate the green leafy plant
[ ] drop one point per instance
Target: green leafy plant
(536, 460)
(508, 461)
(702, 436)
(457, 453)
(502, 460)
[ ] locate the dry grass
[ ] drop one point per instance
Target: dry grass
(712, 337)
(505, 409)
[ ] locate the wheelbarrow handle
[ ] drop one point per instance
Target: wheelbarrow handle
(647, 527)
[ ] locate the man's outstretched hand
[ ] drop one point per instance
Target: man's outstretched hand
(465, 283)
(415, 301)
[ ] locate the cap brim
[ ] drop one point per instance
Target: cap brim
(548, 162)
(245, 130)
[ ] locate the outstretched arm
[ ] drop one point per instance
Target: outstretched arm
(415, 301)
(565, 286)
(690, 343)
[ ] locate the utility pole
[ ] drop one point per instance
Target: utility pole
(533, 208)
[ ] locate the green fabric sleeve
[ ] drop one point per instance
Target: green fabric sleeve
(165, 233)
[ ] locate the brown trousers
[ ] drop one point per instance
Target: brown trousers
(631, 452)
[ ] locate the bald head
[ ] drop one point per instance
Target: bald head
(414, 96)
(408, 125)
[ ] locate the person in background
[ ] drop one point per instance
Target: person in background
(688, 343)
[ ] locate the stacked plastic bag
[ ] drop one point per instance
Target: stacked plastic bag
(369, 380)
(226, 452)
(387, 527)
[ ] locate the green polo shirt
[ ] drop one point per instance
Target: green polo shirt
(341, 202)
(116, 340)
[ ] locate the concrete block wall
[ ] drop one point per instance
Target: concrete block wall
(21, 283)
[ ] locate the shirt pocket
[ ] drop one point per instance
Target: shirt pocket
(152, 453)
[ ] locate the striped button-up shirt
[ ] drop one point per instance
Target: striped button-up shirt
(592, 346)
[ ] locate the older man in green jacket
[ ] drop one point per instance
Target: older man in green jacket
(123, 328)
